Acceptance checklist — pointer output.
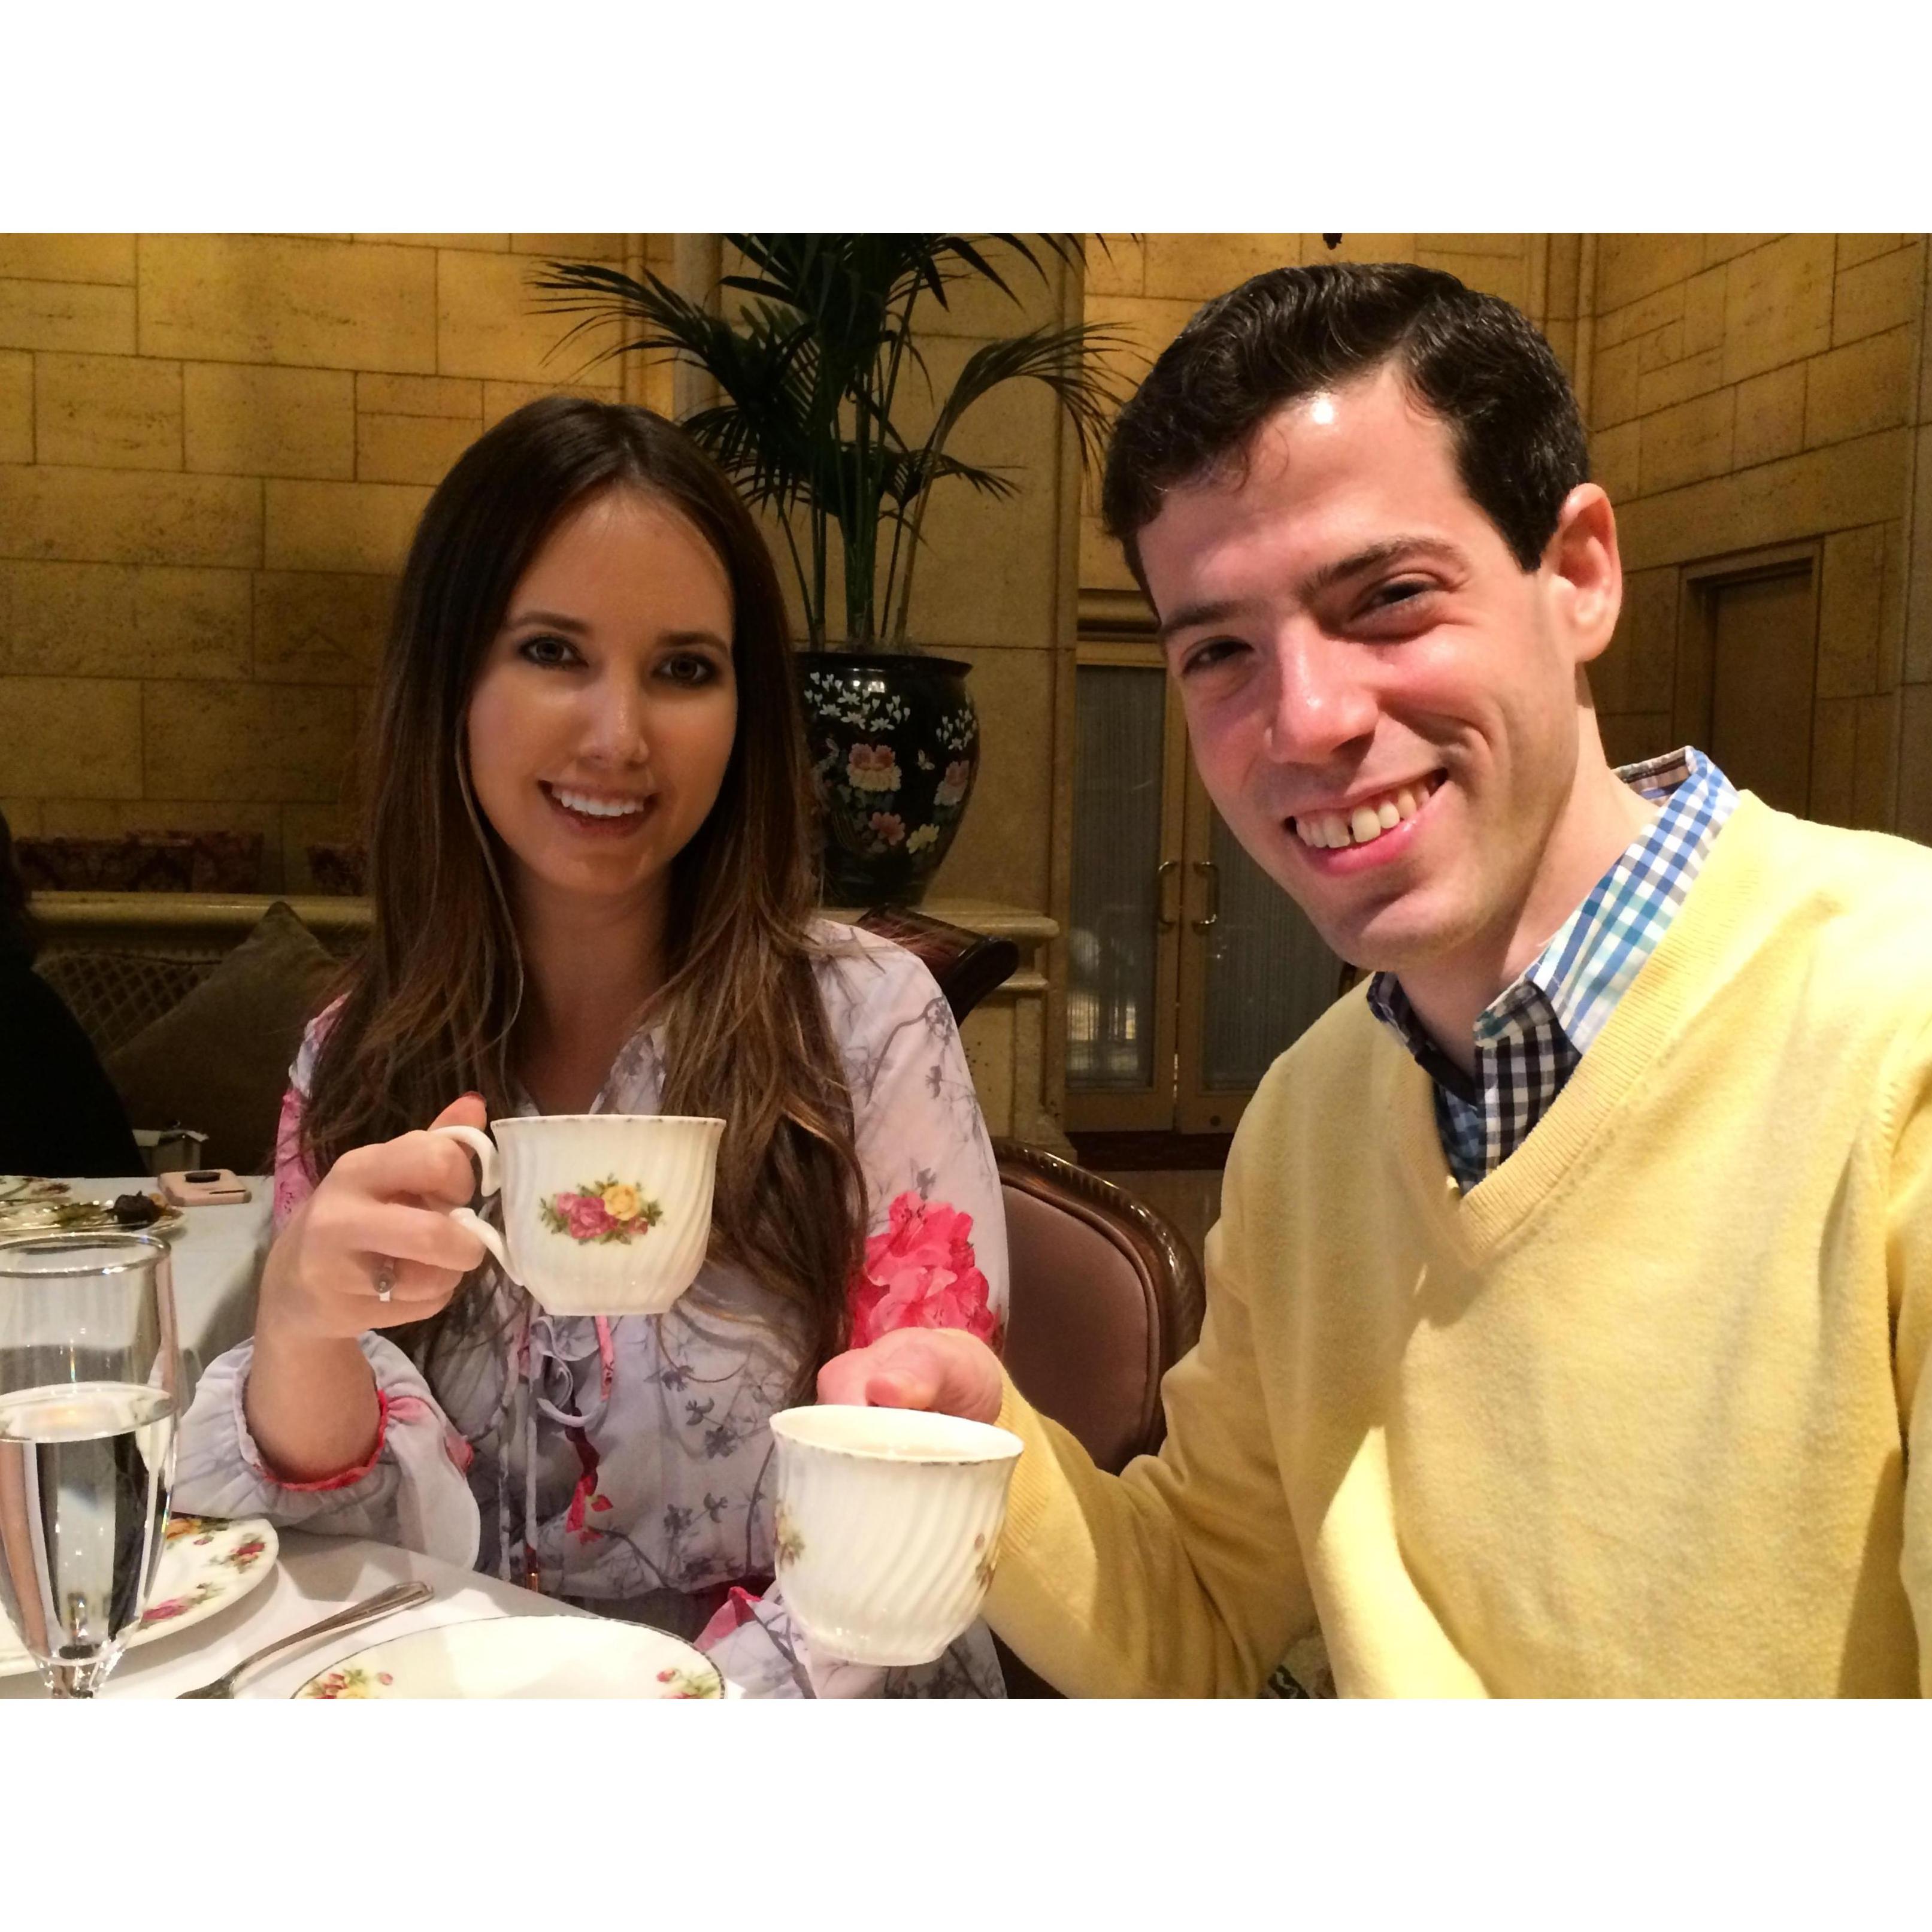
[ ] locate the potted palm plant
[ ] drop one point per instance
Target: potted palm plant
(815, 361)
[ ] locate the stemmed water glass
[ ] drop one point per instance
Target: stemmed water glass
(90, 1381)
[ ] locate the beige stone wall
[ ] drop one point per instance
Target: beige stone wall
(1915, 736)
(1746, 391)
(213, 450)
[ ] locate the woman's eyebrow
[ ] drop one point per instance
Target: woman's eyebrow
(557, 620)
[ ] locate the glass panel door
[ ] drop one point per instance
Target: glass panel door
(1255, 973)
(1121, 958)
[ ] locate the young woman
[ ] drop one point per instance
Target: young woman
(592, 892)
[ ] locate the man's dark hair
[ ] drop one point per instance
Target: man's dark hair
(1471, 359)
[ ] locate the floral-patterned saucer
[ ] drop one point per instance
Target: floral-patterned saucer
(206, 1564)
(542, 1656)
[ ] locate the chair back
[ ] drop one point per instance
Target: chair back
(967, 965)
(1105, 1297)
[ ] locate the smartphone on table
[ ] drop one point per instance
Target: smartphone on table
(204, 1187)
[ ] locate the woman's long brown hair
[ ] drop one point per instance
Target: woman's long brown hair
(432, 1003)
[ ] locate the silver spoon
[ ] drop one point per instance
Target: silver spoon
(398, 1597)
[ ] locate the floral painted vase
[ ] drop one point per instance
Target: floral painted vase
(894, 745)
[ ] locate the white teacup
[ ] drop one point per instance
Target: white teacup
(603, 1214)
(889, 1523)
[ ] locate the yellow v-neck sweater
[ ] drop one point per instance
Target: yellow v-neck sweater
(1629, 1418)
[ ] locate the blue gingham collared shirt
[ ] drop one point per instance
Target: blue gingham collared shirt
(1531, 1037)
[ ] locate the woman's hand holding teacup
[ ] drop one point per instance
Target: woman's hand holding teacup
(377, 1221)
(372, 1247)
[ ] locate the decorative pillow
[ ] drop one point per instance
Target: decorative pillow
(115, 995)
(219, 1061)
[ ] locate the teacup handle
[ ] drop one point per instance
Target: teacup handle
(488, 1180)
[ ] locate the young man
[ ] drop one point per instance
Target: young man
(1568, 1313)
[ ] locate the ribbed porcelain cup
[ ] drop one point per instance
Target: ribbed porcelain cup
(603, 1214)
(888, 1526)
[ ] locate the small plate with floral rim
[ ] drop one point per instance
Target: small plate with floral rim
(206, 1564)
(542, 1656)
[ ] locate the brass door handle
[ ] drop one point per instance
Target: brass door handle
(1206, 869)
(1165, 920)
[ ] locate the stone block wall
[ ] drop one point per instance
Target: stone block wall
(213, 450)
(1747, 391)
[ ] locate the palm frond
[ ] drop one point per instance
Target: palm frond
(806, 365)
(1061, 358)
(915, 471)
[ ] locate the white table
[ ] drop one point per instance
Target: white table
(218, 1253)
(313, 1575)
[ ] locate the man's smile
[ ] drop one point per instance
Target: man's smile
(1365, 818)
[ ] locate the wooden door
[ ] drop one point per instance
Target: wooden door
(1748, 673)
(1764, 665)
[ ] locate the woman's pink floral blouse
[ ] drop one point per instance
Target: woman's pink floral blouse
(628, 1460)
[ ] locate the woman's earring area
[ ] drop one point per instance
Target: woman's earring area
(386, 1278)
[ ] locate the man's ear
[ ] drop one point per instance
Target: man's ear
(1585, 572)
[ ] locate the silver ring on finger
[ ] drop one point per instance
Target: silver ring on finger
(386, 1278)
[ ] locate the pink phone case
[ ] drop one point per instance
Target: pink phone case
(204, 1187)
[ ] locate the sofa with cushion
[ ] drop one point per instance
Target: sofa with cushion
(196, 1002)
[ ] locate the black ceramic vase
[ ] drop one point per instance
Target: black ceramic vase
(894, 743)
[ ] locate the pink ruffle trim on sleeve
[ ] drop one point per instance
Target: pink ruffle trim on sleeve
(404, 1409)
(346, 1477)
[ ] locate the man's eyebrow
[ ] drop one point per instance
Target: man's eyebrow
(1192, 616)
(1357, 563)
(1378, 556)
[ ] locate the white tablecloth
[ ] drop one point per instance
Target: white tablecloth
(313, 1576)
(217, 1253)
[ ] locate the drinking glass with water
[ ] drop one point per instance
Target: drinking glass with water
(89, 1396)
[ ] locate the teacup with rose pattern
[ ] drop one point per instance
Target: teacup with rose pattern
(602, 1213)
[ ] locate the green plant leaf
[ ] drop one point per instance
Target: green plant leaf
(806, 365)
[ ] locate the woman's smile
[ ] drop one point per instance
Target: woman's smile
(599, 814)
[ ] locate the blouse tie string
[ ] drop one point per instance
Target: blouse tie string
(546, 1362)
